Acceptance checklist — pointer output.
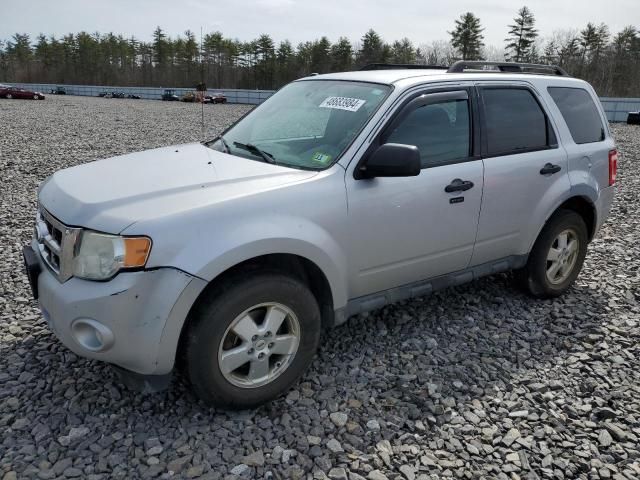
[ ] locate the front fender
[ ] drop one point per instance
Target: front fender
(324, 253)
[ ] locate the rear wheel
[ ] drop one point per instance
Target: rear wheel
(557, 256)
(249, 343)
(9, 96)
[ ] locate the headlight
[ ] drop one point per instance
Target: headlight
(100, 256)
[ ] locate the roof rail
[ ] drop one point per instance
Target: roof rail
(506, 67)
(401, 66)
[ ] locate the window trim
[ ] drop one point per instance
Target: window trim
(425, 97)
(551, 134)
(603, 126)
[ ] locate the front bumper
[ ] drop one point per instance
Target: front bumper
(133, 321)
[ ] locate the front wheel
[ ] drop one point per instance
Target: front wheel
(249, 343)
(557, 256)
(9, 96)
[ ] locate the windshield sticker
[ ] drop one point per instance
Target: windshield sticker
(343, 103)
(321, 158)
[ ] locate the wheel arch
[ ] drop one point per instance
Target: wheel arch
(295, 265)
(585, 208)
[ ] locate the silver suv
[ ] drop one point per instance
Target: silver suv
(339, 194)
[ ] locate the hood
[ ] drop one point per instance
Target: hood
(109, 195)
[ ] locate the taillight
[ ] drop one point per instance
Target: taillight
(613, 166)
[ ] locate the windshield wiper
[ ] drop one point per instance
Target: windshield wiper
(266, 156)
(225, 145)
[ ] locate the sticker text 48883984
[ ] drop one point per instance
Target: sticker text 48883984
(342, 103)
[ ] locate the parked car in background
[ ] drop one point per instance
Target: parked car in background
(134, 96)
(633, 118)
(215, 98)
(169, 95)
(106, 94)
(188, 97)
(339, 194)
(17, 92)
(59, 91)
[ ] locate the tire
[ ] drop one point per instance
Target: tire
(9, 96)
(545, 275)
(212, 335)
(36, 97)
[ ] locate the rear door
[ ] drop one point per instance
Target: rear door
(525, 169)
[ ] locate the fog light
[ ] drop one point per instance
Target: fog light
(92, 335)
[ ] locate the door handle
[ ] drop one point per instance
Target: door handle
(550, 169)
(458, 185)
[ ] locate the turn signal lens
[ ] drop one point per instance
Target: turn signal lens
(136, 251)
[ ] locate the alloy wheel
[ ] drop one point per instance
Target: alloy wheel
(259, 345)
(562, 256)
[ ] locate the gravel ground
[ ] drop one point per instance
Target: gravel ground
(479, 381)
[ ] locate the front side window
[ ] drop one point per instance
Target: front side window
(514, 121)
(580, 113)
(441, 131)
(307, 124)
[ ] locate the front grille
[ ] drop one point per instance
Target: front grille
(56, 242)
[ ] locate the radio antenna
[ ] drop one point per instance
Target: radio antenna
(204, 90)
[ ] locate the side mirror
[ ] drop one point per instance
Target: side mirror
(391, 160)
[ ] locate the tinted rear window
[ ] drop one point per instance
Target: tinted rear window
(514, 121)
(580, 113)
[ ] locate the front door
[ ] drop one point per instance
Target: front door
(408, 229)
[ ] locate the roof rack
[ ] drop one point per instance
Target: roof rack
(401, 66)
(506, 67)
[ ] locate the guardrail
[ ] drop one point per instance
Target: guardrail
(615, 108)
(253, 97)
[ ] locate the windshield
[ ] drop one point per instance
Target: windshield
(307, 124)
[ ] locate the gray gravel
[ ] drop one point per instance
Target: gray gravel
(475, 382)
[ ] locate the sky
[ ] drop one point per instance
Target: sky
(422, 21)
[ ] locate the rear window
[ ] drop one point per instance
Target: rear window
(514, 121)
(580, 113)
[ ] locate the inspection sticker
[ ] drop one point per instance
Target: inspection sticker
(321, 158)
(343, 103)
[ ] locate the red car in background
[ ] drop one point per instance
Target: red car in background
(215, 98)
(7, 91)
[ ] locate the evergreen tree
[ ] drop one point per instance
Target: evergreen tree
(522, 35)
(373, 49)
(321, 56)
(403, 52)
(467, 37)
(341, 55)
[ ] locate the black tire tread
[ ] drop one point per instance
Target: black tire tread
(209, 307)
(532, 277)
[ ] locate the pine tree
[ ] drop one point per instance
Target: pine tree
(321, 56)
(467, 37)
(373, 49)
(341, 55)
(403, 52)
(522, 35)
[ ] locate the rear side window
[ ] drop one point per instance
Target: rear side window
(514, 121)
(580, 113)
